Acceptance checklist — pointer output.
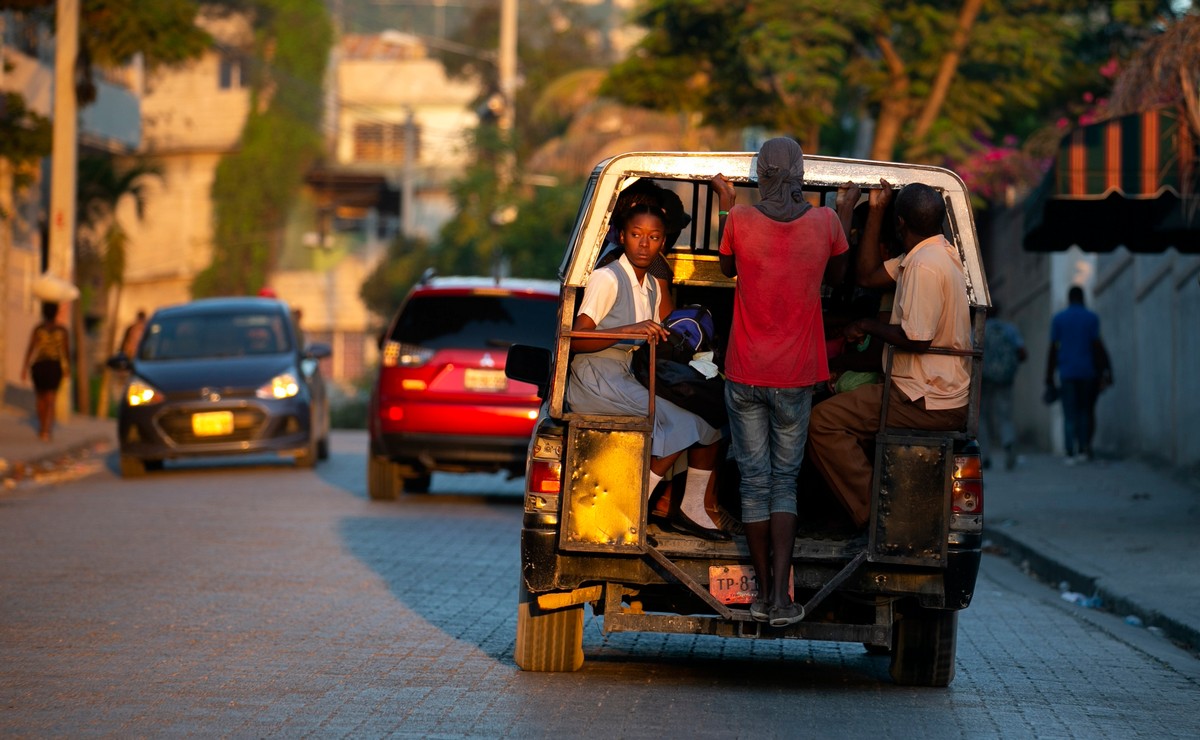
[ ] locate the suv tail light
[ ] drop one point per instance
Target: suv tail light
(396, 354)
(967, 492)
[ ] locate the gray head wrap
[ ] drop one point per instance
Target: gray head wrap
(780, 180)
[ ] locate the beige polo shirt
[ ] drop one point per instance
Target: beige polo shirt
(931, 305)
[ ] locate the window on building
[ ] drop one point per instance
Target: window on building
(384, 142)
(230, 72)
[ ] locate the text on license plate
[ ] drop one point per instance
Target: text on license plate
(212, 423)
(485, 380)
(736, 584)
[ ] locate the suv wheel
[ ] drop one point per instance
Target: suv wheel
(548, 640)
(383, 478)
(923, 647)
(416, 484)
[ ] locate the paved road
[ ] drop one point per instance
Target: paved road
(257, 600)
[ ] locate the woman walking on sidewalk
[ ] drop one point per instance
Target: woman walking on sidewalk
(46, 359)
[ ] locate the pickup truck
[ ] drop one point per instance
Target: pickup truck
(586, 539)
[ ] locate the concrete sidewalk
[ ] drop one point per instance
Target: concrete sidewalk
(1122, 531)
(24, 457)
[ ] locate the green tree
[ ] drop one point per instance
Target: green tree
(930, 75)
(24, 140)
(399, 270)
(255, 185)
(553, 39)
(101, 187)
(112, 32)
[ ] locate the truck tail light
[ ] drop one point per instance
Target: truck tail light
(967, 492)
(545, 477)
(543, 480)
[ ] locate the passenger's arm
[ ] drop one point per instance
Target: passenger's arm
(650, 330)
(835, 269)
(847, 199)
(869, 268)
(726, 199)
(893, 334)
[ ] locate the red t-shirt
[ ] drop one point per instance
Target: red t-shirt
(778, 339)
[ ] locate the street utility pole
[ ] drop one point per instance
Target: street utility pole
(64, 160)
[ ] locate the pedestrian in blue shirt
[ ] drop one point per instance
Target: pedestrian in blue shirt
(1081, 360)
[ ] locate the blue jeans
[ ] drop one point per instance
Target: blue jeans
(1079, 415)
(768, 428)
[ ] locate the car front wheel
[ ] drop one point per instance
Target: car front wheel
(132, 467)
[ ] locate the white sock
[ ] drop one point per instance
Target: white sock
(655, 479)
(692, 505)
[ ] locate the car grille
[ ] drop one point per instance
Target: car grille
(177, 426)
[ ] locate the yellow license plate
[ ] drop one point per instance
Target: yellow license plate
(736, 584)
(485, 380)
(212, 423)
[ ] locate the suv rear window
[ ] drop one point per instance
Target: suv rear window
(474, 321)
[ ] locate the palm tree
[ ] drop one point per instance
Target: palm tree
(102, 239)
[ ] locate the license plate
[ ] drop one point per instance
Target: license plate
(485, 380)
(736, 584)
(212, 423)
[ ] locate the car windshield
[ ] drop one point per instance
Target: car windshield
(477, 321)
(189, 336)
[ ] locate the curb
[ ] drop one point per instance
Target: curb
(1051, 572)
(14, 471)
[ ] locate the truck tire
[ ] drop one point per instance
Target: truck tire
(383, 479)
(548, 641)
(923, 646)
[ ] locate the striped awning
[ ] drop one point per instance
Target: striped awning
(1137, 156)
(1121, 182)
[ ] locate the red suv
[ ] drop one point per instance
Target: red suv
(441, 400)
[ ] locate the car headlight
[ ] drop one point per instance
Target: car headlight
(284, 385)
(141, 393)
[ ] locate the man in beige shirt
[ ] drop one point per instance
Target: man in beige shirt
(928, 391)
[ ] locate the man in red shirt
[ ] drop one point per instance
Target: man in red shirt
(780, 250)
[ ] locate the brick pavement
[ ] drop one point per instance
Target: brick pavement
(264, 601)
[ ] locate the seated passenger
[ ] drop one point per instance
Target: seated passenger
(928, 391)
(852, 365)
(622, 297)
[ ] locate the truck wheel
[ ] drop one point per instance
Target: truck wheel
(873, 649)
(548, 641)
(923, 646)
(132, 467)
(383, 480)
